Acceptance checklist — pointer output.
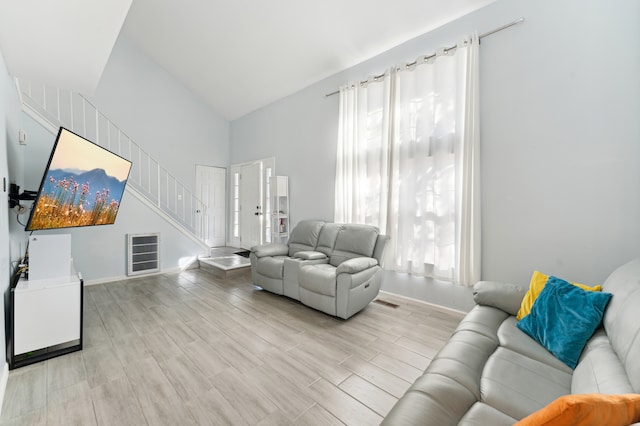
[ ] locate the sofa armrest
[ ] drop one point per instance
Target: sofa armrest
(272, 249)
(310, 255)
(355, 265)
(504, 296)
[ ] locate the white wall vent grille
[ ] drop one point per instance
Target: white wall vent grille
(144, 254)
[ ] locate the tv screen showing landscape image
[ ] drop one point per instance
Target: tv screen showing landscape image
(82, 185)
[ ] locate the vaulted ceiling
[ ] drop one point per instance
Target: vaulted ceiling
(63, 43)
(237, 55)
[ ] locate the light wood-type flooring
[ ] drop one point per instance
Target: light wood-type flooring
(190, 349)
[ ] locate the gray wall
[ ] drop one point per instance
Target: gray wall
(168, 122)
(560, 135)
(9, 121)
(5, 271)
(171, 123)
(561, 141)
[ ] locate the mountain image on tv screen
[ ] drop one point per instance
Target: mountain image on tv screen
(83, 185)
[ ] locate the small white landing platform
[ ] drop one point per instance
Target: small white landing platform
(226, 266)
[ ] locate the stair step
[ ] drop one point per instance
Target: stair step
(226, 266)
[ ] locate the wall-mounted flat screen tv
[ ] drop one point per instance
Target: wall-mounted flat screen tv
(82, 185)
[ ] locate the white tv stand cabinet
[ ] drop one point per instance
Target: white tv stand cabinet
(45, 318)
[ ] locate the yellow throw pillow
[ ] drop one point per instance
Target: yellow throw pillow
(587, 410)
(538, 281)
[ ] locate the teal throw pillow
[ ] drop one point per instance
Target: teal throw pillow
(563, 318)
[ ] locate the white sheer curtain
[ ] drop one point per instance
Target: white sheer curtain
(468, 231)
(422, 185)
(362, 177)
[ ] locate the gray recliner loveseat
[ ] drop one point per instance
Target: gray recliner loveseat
(334, 268)
(492, 373)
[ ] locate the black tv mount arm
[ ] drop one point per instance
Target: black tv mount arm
(15, 197)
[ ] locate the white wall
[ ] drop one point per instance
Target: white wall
(167, 121)
(8, 135)
(560, 135)
(561, 141)
(301, 133)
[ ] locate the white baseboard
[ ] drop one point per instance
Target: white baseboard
(3, 384)
(105, 280)
(125, 277)
(423, 302)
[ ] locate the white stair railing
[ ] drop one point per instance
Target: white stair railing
(53, 108)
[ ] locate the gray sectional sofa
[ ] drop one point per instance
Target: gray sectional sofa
(491, 373)
(334, 268)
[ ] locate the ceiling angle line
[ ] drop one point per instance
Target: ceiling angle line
(480, 37)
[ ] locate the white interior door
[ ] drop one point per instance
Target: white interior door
(250, 205)
(211, 183)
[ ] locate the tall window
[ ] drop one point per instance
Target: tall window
(408, 163)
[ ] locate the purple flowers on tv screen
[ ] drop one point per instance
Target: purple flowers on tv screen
(82, 185)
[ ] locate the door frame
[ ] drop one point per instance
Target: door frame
(234, 223)
(251, 204)
(213, 242)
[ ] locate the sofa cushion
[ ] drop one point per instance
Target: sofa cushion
(354, 241)
(310, 255)
(600, 369)
(305, 236)
(481, 414)
(462, 359)
(271, 266)
(318, 278)
(511, 337)
(537, 283)
(564, 317)
(587, 410)
(518, 385)
(439, 401)
(623, 316)
(327, 238)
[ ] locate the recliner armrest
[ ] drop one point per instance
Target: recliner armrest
(310, 255)
(271, 249)
(504, 296)
(355, 265)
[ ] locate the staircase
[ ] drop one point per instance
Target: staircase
(148, 181)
